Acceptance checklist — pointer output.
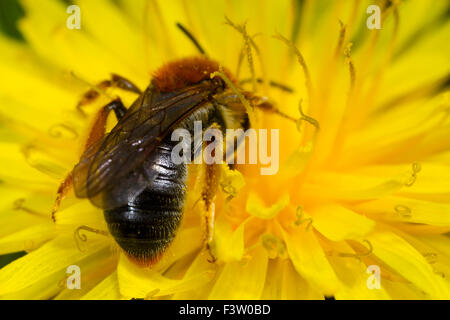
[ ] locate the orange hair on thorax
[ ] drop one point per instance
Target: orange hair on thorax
(184, 72)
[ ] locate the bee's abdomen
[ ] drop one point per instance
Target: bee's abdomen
(143, 233)
(146, 226)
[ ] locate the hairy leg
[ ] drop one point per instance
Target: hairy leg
(116, 81)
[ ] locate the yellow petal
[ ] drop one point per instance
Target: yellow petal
(256, 206)
(108, 289)
(433, 178)
(27, 239)
(283, 282)
(115, 32)
(338, 223)
(199, 265)
(310, 261)
(351, 187)
(187, 240)
(92, 270)
(46, 266)
(354, 276)
(21, 171)
(251, 274)
(407, 210)
(408, 262)
(229, 241)
(136, 282)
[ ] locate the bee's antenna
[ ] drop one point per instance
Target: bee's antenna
(192, 38)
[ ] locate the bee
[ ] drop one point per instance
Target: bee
(129, 173)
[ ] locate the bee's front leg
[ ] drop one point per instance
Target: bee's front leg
(265, 105)
(115, 81)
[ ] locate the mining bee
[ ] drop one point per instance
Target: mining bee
(129, 172)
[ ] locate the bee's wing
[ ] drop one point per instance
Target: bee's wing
(118, 162)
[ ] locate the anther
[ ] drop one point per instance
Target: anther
(81, 237)
(299, 213)
(304, 117)
(248, 44)
(351, 65)
(19, 205)
(57, 131)
(431, 257)
(416, 168)
(274, 246)
(403, 211)
(343, 30)
(152, 293)
(300, 59)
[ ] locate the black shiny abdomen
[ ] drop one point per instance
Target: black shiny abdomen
(147, 225)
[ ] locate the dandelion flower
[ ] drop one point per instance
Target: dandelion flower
(363, 185)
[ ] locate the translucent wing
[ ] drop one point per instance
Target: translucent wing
(120, 161)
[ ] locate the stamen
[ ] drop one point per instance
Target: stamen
(247, 47)
(342, 32)
(57, 131)
(46, 167)
(351, 66)
(239, 64)
(416, 168)
(241, 58)
(241, 97)
(358, 255)
(18, 205)
(79, 237)
(249, 43)
(274, 246)
(304, 117)
(152, 293)
(301, 60)
(431, 257)
(299, 213)
(403, 211)
(230, 190)
(242, 54)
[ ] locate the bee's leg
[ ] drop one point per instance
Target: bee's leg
(210, 176)
(116, 81)
(63, 189)
(98, 128)
(265, 105)
(97, 132)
